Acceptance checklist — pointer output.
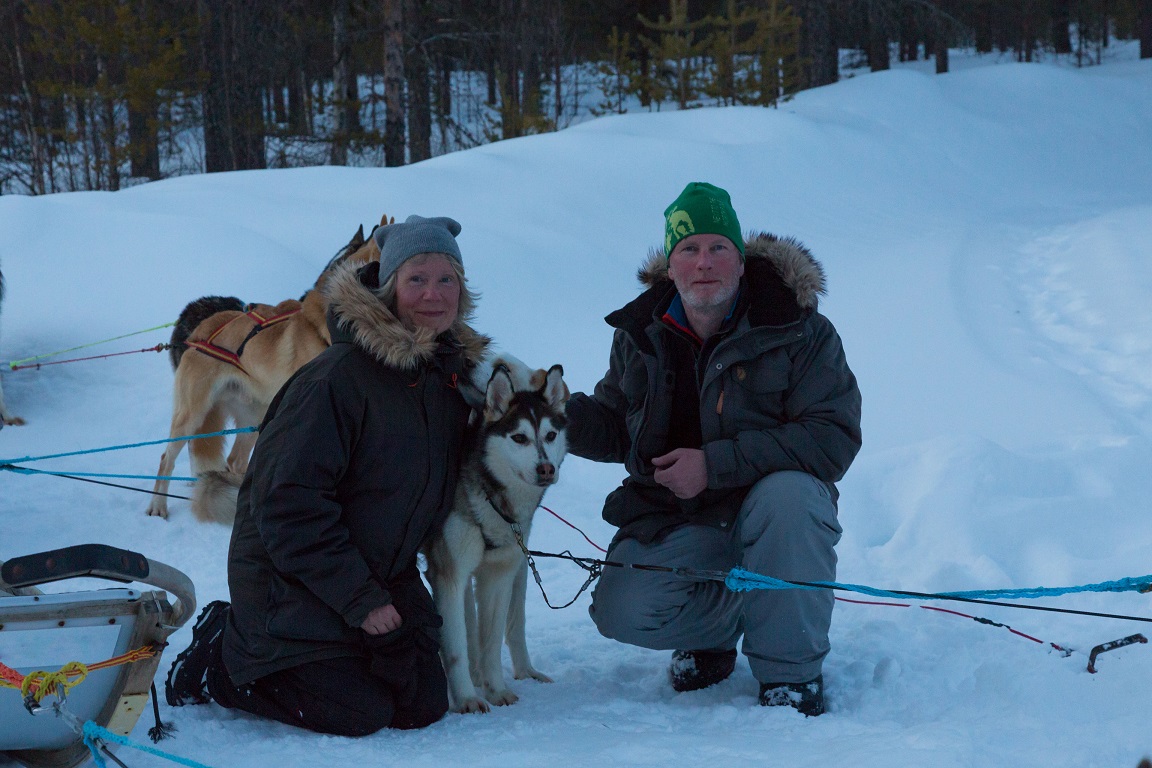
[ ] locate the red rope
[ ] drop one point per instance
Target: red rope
(574, 528)
(873, 602)
(157, 348)
(10, 676)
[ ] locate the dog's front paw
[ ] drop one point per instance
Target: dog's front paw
(15, 421)
(502, 698)
(155, 510)
(472, 706)
(535, 674)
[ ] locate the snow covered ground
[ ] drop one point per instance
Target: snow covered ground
(988, 240)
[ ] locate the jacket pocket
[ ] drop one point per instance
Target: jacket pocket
(634, 385)
(753, 396)
(759, 376)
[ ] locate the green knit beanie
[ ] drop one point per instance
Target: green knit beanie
(701, 209)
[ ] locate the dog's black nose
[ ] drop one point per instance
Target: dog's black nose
(546, 473)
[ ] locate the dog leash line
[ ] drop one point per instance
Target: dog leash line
(13, 363)
(223, 432)
(593, 570)
(38, 366)
(79, 475)
(26, 471)
(1062, 650)
(743, 578)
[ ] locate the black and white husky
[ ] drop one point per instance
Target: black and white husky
(514, 455)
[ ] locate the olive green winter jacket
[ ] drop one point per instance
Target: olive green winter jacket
(776, 393)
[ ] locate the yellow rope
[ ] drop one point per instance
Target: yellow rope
(39, 684)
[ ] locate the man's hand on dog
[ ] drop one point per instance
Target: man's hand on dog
(382, 620)
(682, 471)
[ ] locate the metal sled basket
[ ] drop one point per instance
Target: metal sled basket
(119, 632)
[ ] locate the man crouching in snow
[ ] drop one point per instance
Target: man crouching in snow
(729, 400)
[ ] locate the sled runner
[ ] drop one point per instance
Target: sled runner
(117, 633)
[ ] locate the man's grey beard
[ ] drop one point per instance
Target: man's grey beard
(719, 305)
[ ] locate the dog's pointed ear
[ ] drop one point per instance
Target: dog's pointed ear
(555, 391)
(537, 379)
(500, 391)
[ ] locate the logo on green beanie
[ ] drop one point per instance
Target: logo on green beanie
(701, 209)
(677, 226)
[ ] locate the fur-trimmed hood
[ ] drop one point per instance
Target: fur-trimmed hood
(782, 284)
(356, 310)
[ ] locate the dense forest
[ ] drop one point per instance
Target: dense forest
(100, 94)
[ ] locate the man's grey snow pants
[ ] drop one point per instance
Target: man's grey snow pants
(787, 528)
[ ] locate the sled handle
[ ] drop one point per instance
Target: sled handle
(104, 562)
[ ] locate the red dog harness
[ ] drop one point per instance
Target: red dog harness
(210, 348)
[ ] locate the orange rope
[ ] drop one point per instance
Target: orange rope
(33, 682)
(10, 678)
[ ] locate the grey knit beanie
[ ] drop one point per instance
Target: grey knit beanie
(400, 242)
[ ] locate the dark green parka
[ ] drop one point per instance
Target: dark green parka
(776, 394)
(356, 462)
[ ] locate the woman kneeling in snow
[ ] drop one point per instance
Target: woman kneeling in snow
(330, 626)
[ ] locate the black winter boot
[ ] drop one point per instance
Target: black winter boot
(807, 698)
(693, 670)
(188, 678)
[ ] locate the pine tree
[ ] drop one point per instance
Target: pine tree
(735, 36)
(780, 65)
(104, 67)
(619, 73)
(678, 53)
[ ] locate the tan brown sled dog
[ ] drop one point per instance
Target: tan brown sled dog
(228, 369)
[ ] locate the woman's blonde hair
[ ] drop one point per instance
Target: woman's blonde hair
(466, 309)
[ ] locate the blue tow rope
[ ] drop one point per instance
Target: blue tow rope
(27, 471)
(221, 433)
(740, 580)
(92, 732)
(12, 464)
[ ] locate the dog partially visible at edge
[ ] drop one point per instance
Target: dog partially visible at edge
(231, 375)
(6, 416)
(513, 456)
